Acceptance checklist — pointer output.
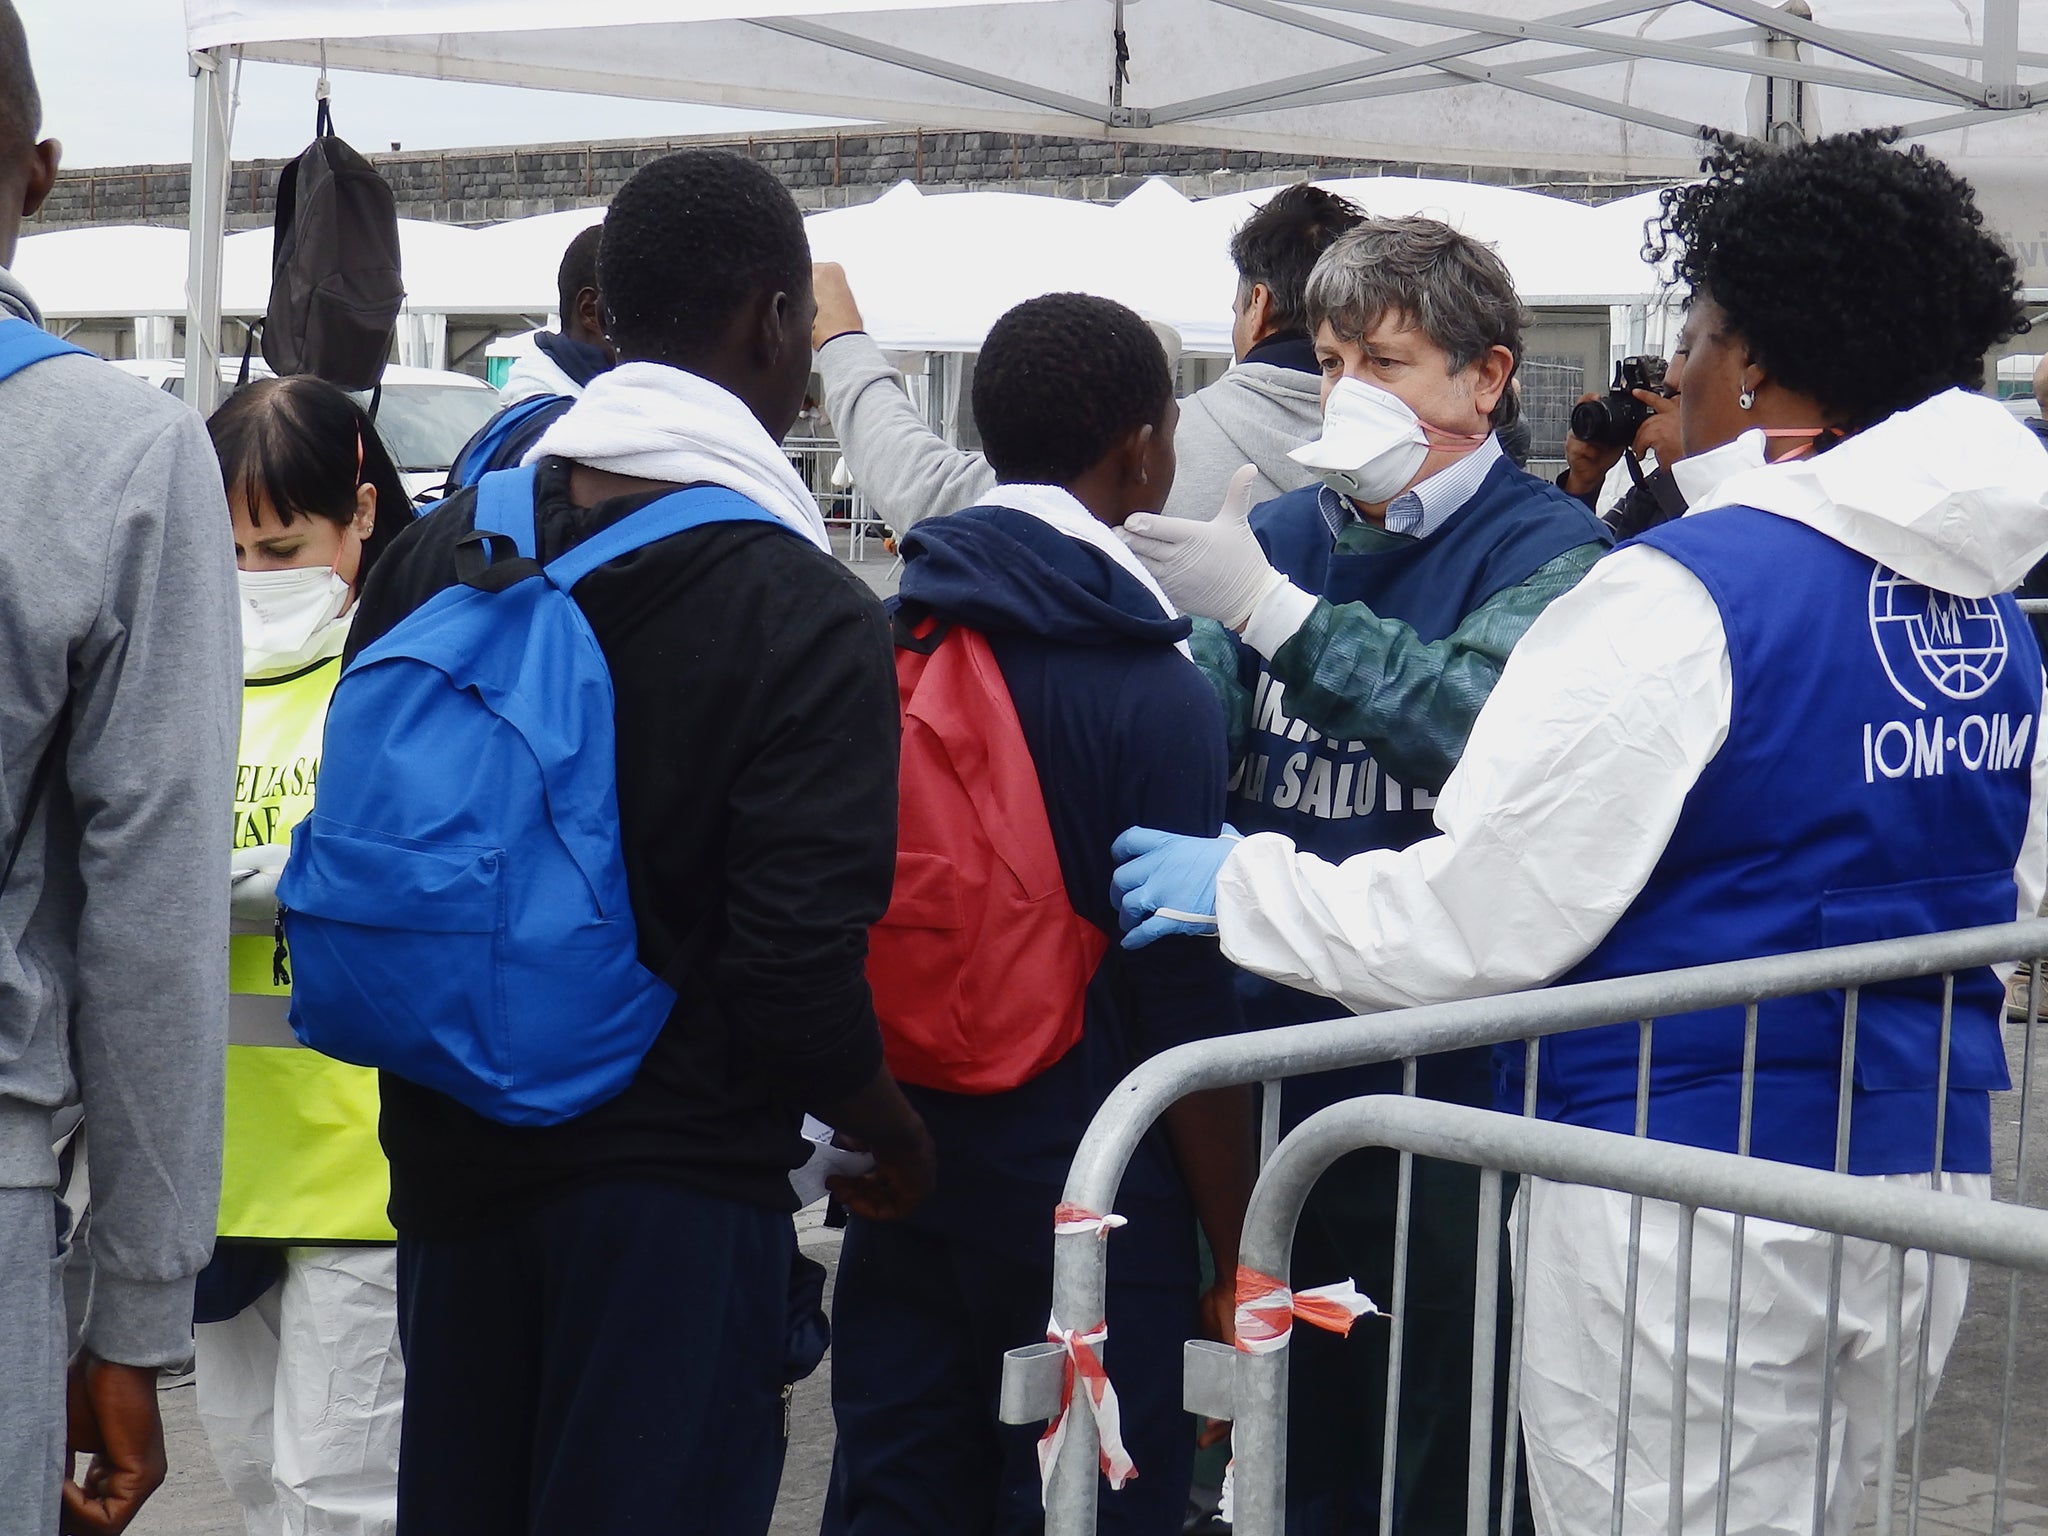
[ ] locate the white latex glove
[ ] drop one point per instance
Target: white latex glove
(252, 887)
(1214, 570)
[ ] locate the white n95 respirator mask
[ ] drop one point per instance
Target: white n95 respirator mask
(292, 618)
(1372, 443)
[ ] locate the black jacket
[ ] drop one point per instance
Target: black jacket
(756, 746)
(1651, 500)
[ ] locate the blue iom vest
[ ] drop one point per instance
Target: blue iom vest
(1874, 784)
(1332, 798)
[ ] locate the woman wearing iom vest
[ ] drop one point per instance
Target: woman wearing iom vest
(299, 1378)
(1805, 714)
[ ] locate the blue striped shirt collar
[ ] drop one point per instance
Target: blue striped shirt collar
(1426, 506)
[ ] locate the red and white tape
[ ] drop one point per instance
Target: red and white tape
(1074, 1220)
(1266, 1309)
(1085, 1365)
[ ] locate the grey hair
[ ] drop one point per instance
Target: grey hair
(1453, 288)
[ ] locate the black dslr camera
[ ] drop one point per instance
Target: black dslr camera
(1612, 420)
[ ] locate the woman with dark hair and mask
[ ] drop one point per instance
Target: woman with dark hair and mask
(1805, 714)
(299, 1377)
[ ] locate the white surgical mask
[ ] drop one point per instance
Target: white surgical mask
(291, 619)
(1372, 443)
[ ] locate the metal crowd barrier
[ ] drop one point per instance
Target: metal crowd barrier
(814, 459)
(1251, 1389)
(1037, 1377)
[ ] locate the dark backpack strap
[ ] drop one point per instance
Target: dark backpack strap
(248, 350)
(504, 504)
(905, 622)
(498, 552)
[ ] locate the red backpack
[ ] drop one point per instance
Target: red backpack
(980, 966)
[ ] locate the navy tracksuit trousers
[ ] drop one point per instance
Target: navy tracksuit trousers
(920, 1321)
(609, 1362)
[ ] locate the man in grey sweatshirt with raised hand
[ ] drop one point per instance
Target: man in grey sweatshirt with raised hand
(1269, 402)
(117, 712)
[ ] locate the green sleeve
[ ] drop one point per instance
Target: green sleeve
(1355, 676)
(1221, 655)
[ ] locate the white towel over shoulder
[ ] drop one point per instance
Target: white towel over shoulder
(654, 422)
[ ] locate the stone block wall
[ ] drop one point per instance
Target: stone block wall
(823, 170)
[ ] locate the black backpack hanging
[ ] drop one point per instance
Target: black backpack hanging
(335, 286)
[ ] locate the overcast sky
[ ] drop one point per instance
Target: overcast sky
(115, 92)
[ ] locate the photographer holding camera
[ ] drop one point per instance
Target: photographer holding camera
(1638, 417)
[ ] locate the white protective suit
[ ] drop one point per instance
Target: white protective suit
(301, 1392)
(1573, 780)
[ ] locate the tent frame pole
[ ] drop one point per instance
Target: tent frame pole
(1519, 80)
(938, 69)
(2002, 54)
(1563, 32)
(208, 229)
(1394, 56)
(1851, 45)
(1365, 79)
(1447, 56)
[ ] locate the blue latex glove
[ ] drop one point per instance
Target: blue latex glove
(1165, 882)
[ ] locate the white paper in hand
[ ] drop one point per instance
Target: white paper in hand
(825, 1162)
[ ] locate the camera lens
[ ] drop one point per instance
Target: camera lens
(1610, 421)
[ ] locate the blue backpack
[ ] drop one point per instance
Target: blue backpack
(455, 903)
(501, 442)
(22, 344)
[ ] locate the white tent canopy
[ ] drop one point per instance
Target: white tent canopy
(932, 271)
(104, 271)
(1611, 85)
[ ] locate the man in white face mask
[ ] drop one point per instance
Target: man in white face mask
(1372, 614)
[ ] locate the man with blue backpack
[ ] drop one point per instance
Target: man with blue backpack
(548, 380)
(609, 808)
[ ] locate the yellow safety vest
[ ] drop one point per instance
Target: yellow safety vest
(300, 1159)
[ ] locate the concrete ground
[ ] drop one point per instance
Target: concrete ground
(194, 1502)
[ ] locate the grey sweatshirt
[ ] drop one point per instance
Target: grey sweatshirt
(117, 603)
(1255, 414)
(1252, 415)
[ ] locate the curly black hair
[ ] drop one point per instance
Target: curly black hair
(1857, 274)
(687, 240)
(1279, 244)
(1060, 379)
